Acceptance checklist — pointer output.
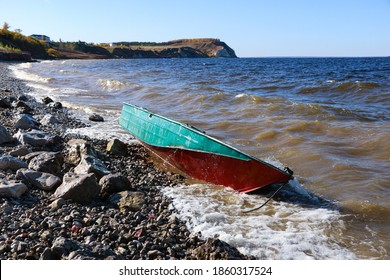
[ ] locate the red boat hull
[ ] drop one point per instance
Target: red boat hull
(241, 175)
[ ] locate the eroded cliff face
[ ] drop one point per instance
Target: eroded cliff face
(184, 48)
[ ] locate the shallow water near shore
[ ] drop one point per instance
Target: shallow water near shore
(325, 118)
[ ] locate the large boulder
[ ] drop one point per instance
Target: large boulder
(12, 189)
(5, 137)
(40, 180)
(113, 183)
(81, 188)
(12, 163)
(49, 162)
(34, 137)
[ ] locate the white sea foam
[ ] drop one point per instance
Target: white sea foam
(20, 73)
(277, 231)
(115, 85)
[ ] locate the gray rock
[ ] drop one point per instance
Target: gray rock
(58, 203)
(48, 162)
(63, 246)
(12, 189)
(12, 163)
(128, 200)
(56, 105)
(24, 121)
(20, 104)
(90, 164)
(113, 183)
(80, 255)
(96, 118)
(34, 138)
(81, 188)
(41, 180)
(6, 208)
(49, 254)
(154, 254)
(76, 148)
(116, 147)
(32, 155)
(4, 103)
(20, 152)
(46, 100)
(5, 137)
(49, 119)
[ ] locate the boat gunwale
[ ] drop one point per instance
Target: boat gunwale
(201, 133)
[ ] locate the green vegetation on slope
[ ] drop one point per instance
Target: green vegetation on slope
(16, 42)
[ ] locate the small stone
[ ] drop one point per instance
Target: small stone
(46, 100)
(153, 254)
(6, 208)
(58, 203)
(96, 118)
(56, 105)
(46, 235)
(122, 251)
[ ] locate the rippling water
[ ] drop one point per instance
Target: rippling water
(328, 119)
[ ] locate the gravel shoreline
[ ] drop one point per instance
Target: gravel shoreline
(119, 212)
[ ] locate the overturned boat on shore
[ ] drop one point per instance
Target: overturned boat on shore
(199, 155)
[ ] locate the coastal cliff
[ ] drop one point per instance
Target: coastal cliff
(15, 46)
(183, 48)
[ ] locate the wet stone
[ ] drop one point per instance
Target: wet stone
(96, 118)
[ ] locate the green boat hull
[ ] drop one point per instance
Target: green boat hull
(197, 154)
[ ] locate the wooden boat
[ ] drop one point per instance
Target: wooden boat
(197, 154)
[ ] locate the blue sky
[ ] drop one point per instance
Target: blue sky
(253, 28)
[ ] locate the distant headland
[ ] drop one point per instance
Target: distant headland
(15, 46)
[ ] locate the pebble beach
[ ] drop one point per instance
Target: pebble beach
(66, 196)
